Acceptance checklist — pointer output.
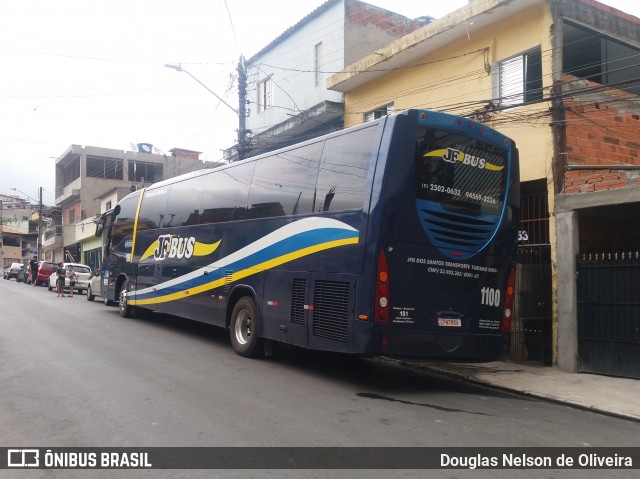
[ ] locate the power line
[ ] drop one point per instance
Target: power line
(233, 30)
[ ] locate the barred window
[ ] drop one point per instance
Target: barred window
(379, 112)
(520, 79)
(265, 94)
(108, 168)
(317, 58)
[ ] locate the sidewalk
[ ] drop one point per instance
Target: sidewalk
(605, 394)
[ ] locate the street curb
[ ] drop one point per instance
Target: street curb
(433, 368)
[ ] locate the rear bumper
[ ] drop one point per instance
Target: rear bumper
(443, 346)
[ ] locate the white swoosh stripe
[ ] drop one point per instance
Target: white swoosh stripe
(287, 231)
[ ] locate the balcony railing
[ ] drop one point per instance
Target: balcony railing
(51, 232)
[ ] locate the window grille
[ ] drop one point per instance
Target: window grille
(265, 94)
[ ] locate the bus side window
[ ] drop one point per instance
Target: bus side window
(123, 224)
(153, 208)
(183, 205)
(344, 170)
(284, 184)
(226, 194)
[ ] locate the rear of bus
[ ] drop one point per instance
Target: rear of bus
(445, 214)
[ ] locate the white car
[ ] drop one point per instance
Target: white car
(82, 271)
(95, 282)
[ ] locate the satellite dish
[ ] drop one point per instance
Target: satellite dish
(145, 147)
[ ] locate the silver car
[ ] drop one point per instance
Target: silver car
(12, 271)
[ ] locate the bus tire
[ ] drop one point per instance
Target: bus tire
(244, 328)
(126, 310)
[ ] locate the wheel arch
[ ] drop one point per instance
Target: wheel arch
(122, 278)
(241, 291)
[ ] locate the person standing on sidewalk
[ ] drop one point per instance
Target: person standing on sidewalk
(71, 274)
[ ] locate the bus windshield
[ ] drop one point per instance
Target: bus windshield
(463, 174)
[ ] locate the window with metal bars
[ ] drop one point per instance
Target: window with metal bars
(520, 79)
(317, 57)
(379, 112)
(265, 94)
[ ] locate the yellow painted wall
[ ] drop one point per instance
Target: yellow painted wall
(445, 80)
(11, 254)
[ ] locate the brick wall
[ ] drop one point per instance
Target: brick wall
(582, 181)
(67, 216)
(385, 20)
(602, 131)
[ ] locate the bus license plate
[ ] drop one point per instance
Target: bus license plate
(450, 322)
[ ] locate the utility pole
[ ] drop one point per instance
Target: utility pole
(242, 110)
(39, 239)
(243, 149)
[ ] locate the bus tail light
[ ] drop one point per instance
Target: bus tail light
(507, 309)
(382, 291)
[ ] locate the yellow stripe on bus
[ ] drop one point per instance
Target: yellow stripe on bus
(135, 227)
(272, 263)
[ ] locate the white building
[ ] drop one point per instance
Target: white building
(287, 98)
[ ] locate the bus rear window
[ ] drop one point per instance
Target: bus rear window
(462, 174)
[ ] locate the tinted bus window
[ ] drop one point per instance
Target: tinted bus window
(226, 194)
(128, 208)
(123, 226)
(343, 173)
(153, 208)
(460, 173)
(284, 184)
(125, 219)
(183, 205)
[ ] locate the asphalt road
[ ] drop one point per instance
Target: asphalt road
(73, 373)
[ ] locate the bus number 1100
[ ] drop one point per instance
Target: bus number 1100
(490, 297)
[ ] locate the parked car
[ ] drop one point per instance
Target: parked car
(95, 283)
(22, 275)
(83, 272)
(45, 269)
(12, 271)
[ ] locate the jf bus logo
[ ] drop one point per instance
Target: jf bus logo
(23, 458)
(451, 155)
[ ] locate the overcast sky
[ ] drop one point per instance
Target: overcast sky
(91, 72)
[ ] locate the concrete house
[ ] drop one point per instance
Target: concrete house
(286, 94)
(17, 232)
(90, 180)
(562, 78)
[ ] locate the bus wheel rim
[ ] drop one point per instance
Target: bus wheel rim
(123, 299)
(243, 327)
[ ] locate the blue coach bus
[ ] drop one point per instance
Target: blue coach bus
(396, 237)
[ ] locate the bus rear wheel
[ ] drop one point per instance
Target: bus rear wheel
(244, 329)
